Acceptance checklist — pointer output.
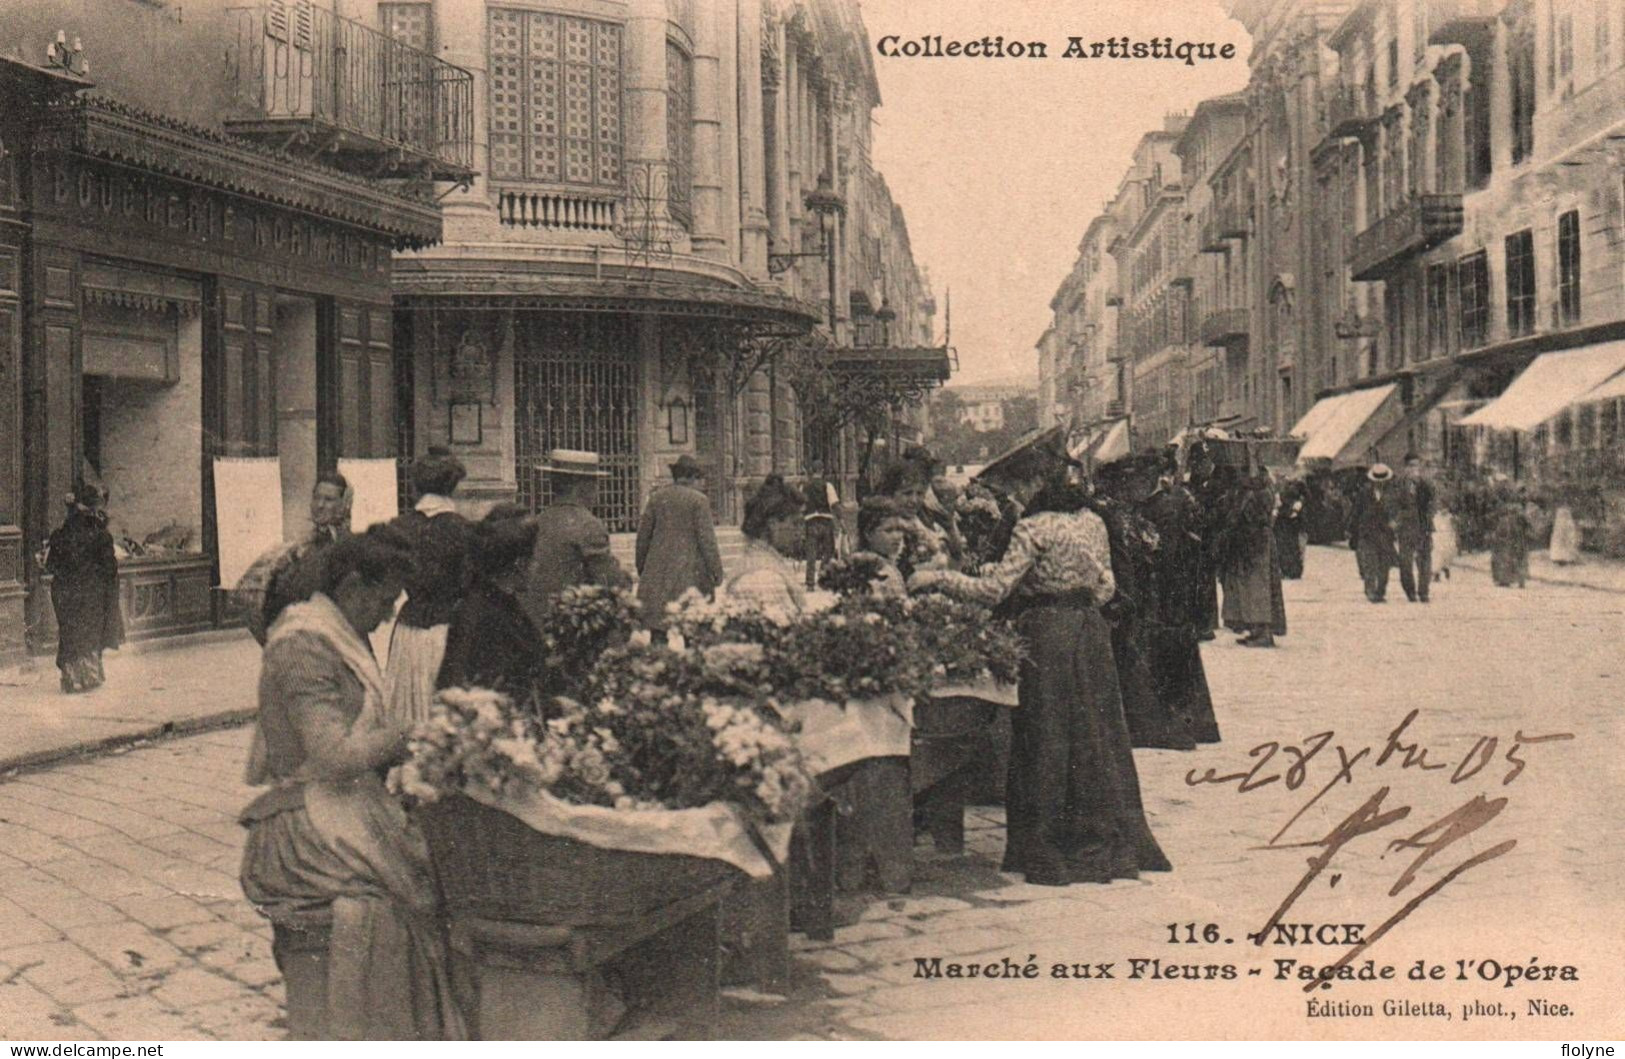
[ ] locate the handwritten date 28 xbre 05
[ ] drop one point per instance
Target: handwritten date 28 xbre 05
(1398, 751)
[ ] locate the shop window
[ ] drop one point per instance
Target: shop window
(1473, 299)
(555, 98)
(141, 397)
(680, 132)
(1520, 256)
(1608, 425)
(1585, 426)
(1563, 431)
(1568, 268)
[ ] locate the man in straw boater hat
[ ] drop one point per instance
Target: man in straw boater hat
(572, 544)
(677, 543)
(1372, 531)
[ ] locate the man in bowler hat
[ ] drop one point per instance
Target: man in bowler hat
(677, 543)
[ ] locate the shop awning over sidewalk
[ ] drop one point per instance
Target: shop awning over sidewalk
(1342, 428)
(1113, 444)
(1551, 383)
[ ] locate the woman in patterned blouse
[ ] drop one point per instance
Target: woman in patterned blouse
(1073, 806)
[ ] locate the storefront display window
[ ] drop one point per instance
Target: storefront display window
(142, 408)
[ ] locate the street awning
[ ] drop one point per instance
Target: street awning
(1612, 390)
(1349, 426)
(1550, 383)
(1113, 444)
(1316, 416)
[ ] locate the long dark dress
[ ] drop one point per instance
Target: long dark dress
(1073, 808)
(1152, 721)
(1175, 655)
(1289, 528)
(1211, 503)
(1509, 546)
(84, 592)
(1252, 575)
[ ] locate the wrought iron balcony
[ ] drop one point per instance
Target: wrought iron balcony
(1222, 327)
(1225, 222)
(1413, 226)
(303, 76)
(1347, 111)
(1466, 22)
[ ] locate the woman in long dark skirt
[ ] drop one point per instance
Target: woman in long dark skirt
(1153, 723)
(492, 642)
(1175, 655)
(1073, 807)
(84, 590)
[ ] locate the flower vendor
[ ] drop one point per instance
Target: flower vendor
(1074, 812)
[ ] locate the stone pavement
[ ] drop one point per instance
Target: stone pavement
(1592, 571)
(120, 915)
(152, 689)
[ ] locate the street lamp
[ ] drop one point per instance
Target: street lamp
(828, 206)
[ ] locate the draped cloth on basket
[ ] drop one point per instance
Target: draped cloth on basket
(714, 832)
(833, 735)
(341, 843)
(986, 689)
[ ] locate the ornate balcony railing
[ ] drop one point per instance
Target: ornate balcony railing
(559, 208)
(1418, 223)
(1226, 221)
(1222, 327)
(303, 75)
(1347, 113)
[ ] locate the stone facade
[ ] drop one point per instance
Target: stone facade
(619, 290)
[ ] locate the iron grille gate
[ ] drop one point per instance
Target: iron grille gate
(576, 387)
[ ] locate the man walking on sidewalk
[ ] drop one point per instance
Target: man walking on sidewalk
(1373, 531)
(677, 543)
(1413, 535)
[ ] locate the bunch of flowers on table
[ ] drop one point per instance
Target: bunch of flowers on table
(858, 649)
(650, 748)
(699, 621)
(964, 642)
(582, 622)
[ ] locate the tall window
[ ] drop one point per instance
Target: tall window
(1438, 310)
(1393, 309)
(680, 131)
(1568, 267)
(1602, 32)
(1564, 43)
(555, 99)
(1473, 299)
(1521, 70)
(1520, 249)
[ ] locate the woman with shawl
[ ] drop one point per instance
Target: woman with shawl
(327, 846)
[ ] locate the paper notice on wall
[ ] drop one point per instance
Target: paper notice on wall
(375, 491)
(247, 512)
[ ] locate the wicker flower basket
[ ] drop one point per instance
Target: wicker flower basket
(492, 865)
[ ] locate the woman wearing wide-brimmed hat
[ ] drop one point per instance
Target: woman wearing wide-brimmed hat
(677, 543)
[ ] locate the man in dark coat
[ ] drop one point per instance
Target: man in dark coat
(1413, 534)
(572, 544)
(677, 544)
(1372, 531)
(1176, 660)
(1289, 528)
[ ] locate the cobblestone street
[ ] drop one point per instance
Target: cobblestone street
(121, 917)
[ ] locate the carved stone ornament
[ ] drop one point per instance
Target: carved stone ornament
(471, 369)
